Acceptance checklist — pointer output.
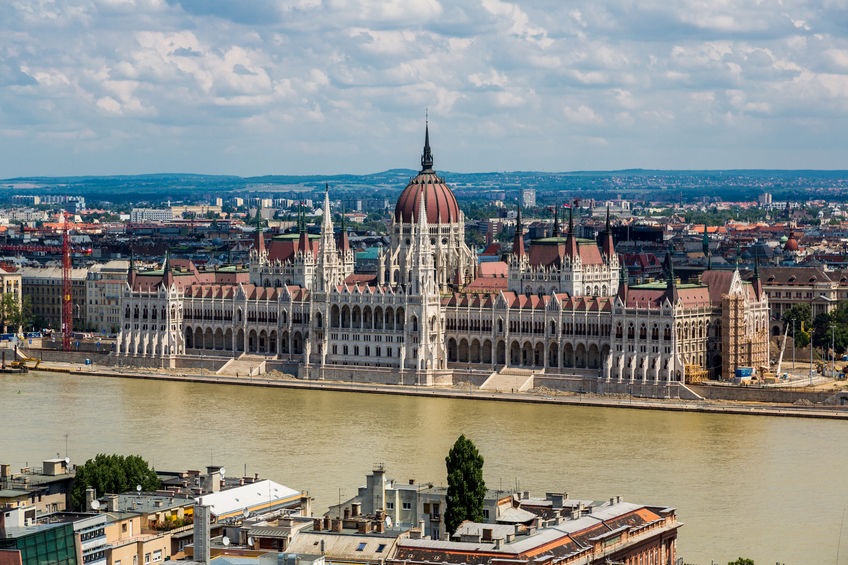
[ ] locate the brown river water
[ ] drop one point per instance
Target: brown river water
(772, 489)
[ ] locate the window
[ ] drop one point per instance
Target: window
(157, 555)
(380, 548)
(485, 514)
(146, 558)
(426, 508)
(361, 546)
(406, 506)
(390, 505)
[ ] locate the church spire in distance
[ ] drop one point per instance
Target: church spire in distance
(427, 156)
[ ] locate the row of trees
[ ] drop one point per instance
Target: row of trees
(826, 329)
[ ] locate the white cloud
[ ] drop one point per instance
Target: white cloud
(213, 86)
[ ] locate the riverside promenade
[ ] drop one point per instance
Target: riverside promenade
(570, 399)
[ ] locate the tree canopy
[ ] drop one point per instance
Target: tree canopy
(466, 487)
(15, 315)
(112, 474)
(741, 561)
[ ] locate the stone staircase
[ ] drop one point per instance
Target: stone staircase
(509, 379)
(243, 366)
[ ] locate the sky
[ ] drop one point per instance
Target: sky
(332, 86)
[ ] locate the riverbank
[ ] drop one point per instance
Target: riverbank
(549, 397)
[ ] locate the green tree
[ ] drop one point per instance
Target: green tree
(15, 315)
(466, 487)
(112, 474)
(741, 561)
(800, 313)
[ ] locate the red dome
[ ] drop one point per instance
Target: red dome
(791, 244)
(438, 198)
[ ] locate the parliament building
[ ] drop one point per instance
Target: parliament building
(563, 316)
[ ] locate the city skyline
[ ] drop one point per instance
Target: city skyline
(297, 88)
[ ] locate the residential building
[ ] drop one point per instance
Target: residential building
(528, 198)
(104, 285)
(44, 287)
(142, 215)
(46, 489)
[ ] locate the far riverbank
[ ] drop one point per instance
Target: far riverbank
(573, 399)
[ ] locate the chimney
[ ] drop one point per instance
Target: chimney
(112, 502)
(498, 543)
(355, 509)
(362, 527)
(487, 534)
(5, 470)
(90, 495)
(316, 524)
(326, 522)
(337, 526)
(612, 501)
(412, 481)
(381, 527)
(347, 513)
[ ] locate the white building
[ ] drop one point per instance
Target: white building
(141, 215)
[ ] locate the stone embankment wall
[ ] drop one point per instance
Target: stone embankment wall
(757, 394)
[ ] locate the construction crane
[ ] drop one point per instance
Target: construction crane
(67, 306)
(65, 250)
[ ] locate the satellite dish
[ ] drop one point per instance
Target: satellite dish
(222, 471)
(250, 541)
(95, 504)
(245, 513)
(67, 460)
(225, 541)
(138, 488)
(388, 521)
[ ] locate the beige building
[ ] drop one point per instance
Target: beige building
(43, 285)
(789, 286)
(103, 287)
(10, 283)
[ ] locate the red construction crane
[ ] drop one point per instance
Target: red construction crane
(67, 306)
(66, 250)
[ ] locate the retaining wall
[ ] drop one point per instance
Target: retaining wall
(757, 394)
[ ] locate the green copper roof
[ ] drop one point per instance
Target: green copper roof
(288, 236)
(562, 240)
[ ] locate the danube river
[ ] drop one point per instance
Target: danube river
(773, 489)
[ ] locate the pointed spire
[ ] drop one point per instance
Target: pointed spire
(705, 245)
(556, 222)
(167, 275)
(623, 280)
(260, 236)
(132, 253)
(427, 156)
(669, 269)
(518, 240)
(608, 247)
(571, 242)
(758, 284)
(326, 221)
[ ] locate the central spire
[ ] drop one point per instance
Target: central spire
(427, 156)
